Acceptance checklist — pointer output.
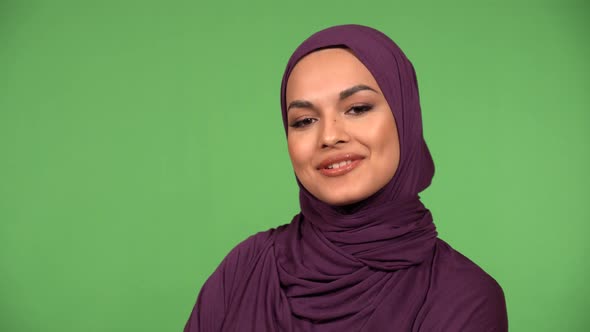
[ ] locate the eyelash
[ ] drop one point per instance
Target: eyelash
(359, 110)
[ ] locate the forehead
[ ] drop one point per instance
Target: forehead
(327, 71)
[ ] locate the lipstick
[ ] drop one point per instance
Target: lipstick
(340, 164)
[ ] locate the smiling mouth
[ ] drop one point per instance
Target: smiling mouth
(340, 166)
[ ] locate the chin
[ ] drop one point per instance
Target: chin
(343, 199)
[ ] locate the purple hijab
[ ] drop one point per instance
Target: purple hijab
(376, 265)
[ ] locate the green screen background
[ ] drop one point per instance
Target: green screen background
(140, 141)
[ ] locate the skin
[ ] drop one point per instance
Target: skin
(323, 122)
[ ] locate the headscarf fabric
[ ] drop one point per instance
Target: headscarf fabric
(344, 259)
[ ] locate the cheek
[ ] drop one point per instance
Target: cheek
(385, 143)
(300, 150)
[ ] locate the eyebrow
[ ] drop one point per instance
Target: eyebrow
(343, 95)
(350, 91)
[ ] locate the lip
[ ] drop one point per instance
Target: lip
(355, 158)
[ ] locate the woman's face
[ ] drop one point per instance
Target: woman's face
(342, 136)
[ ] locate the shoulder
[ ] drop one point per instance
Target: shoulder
(462, 295)
(218, 290)
(455, 272)
(249, 250)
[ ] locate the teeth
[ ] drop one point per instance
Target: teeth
(340, 164)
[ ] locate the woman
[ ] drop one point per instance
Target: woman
(363, 254)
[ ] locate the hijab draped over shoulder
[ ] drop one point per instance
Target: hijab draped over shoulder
(376, 265)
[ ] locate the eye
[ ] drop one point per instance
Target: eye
(302, 123)
(359, 109)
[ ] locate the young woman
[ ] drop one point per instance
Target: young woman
(363, 253)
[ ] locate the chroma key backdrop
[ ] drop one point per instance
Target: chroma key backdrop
(136, 135)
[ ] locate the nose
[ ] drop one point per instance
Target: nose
(333, 132)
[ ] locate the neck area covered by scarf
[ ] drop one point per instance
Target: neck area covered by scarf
(338, 268)
(388, 237)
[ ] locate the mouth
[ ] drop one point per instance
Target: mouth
(340, 165)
